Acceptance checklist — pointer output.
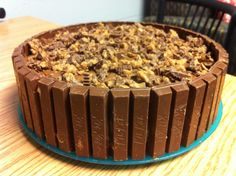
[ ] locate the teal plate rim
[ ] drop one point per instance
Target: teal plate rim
(109, 161)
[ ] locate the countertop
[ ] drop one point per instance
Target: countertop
(19, 155)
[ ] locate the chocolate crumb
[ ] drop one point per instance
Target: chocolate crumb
(120, 56)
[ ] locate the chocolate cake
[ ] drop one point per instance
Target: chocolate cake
(119, 89)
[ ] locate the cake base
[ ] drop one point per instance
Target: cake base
(109, 161)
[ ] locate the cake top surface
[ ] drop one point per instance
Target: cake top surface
(119, 56)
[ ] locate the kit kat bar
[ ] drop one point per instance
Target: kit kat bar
(120, 113)
(17, 66)
(17, 63)
(20, 50)
(16, 59)
(177, 116)
(160, 103)
(98, 98)
(46, 100)
(60, 91)
(80, 119)
(140, 109)
(22, 72)
(17, 51)
(217, 73)
(193, 111)
(223, 67)
(34, 101)
(210, 81)
(223, 56)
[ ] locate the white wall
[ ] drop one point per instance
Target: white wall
(75, 11)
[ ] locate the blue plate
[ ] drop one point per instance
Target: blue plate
(110, 161)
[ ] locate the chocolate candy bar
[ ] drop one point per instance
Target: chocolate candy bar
(193, 111)
(210, 81)
(217, 73)
(223, 67)
(24, 96)
(99, 121)
(139, 121)
(17, 65)
(120, 114)
(177, 116)
(80, 119)
(60, 91)
(31, 83)
(160, 104)
(46, 100)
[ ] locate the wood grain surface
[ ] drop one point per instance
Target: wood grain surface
(19, 155)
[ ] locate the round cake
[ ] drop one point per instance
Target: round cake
(119, 89)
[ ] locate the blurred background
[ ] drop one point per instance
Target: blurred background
(75, 11)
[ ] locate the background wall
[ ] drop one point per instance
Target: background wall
(75, 11)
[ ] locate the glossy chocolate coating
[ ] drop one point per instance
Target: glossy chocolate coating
(32, 85)
(60, 91)
(46, 99)
(139, 119)
(17, 51)
(193, 111)
(24, 96)
(210, 81)
(217, 73)
(80, 120)
(17, 65)
(223, 68)
(120, 114)
(160, 104)
(98, 99)
(177, 116)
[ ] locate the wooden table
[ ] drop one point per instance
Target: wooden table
(19, 155)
